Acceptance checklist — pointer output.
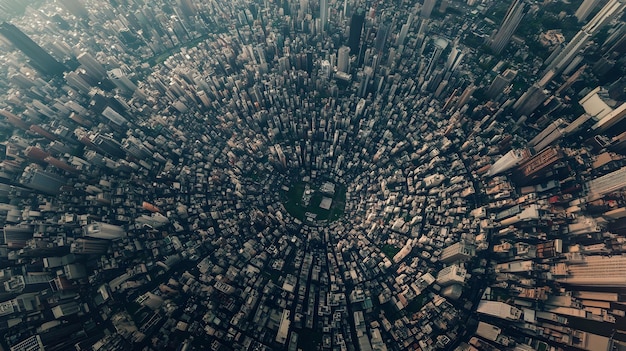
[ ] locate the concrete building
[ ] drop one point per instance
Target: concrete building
(459, 251)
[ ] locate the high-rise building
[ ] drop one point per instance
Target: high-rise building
(459, 251)
(597, 271)
(35, 178)
(381, 37)
(39, 58)
(427, 8)
(453, 274)
(585, 9)
(16, 236)
(101, 230)
(612, 9)
(440, 45)
(323, 14)
(499, 83)
(91, 65)
(356, 28)
(607, 183)
(511, 20)
(121, 80)
(343, 59)
(89, 246)
(529, 101)
(32, 343)
(443, 6)
(508, 161)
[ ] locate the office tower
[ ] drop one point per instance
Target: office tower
(443, 6)
(188, 8)
(32, 343)
(91, 65)
(99, 230)
(511, 20)
(135, 148)
(427, 8)
(611, 10)
(87, 246)
(499, 309)
(16, 236)
(459, 251)
(356, 28)
(508, 161)
(114, 116)
(366, 78)
(585, 9)
(403, 33)
(440, 45)
(616, 116)
(549, 135)
(381, 37)
(323, 14)
(39, 58)
(501, 81)
(121, 80)
(28, 282)
(616, 42)
(537, 166)
(607, 183)
(454, 59)
(453, 274)
(529, 101)
(466, 95)
(343, 59)
(37, 179)
(599, 271)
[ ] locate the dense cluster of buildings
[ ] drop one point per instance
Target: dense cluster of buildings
(147, 149)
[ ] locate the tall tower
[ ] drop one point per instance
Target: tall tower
(427, 8)
(500, 83)
(381, 37)
(323, 13)
(585, 9)
(91, 65)
(529, 101)
(356, 27)
(39, 58)
(440, 45)
(511, 20)
(612, 9)
(343, 60)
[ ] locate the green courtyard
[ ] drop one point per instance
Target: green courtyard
(308, 198)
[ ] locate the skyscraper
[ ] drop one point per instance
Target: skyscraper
(427, 8)
(323, 13)
(611, 10)
(39, 58)
(343, 59)
(597, 271)
(46, 182)
(529, 101)
(511, 20)
(585, 9)
(91, 65)
(381, 37)
(500, 83)
(440, 45)
(356, 27)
